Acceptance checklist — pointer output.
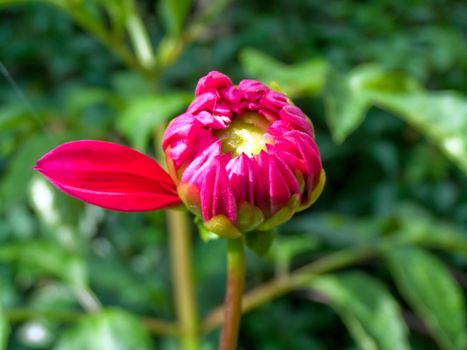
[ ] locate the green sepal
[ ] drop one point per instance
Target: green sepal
(204, 233)
(260, 241)
(314, 195)
(249, 217)
(189, 194)
(282, 215)
(222, 226)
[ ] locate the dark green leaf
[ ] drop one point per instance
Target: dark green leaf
(4, 331)
(296, 80)
(260, 241)
(118, 12)
(369, 311)
(440, 115)
(348, 97)
(174, 14)
(335, 229)
(82, 98)
(417, 226)
(286, 247)
(432, 292)
(15, 117)
(106, 330)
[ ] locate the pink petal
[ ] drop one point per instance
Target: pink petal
(214, 121)
(185, 138)
(240, 174)
(109, 175)
(213, 81)
(274, 100)
(203, 102)
(252, 90)
(217, 197)
(195, 172)
(296, 119)
(277, 188)
(180, 127)
(231, 95)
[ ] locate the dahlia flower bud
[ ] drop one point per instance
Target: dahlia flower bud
(243, 157)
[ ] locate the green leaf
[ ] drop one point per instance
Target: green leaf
(14, 117)
(4, 331)
(14, 186)
(47, 258)
(296, 80)
(433, 294)
(174, 14)
(18, 2)
(106, 330)
(130, 85)
(81, 98)
(118, 11)
(417, 227)
(442, 116)
(368, 310)
(348, 97)
(142, 115)
(286, 247)
(335, 229)
(260, 241)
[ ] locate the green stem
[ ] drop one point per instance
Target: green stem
(88, 300)
(234, 293)
(140, 39)
(185, 301)
(114, 44)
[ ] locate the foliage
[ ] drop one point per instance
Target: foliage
(384, 83)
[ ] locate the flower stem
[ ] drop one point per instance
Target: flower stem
(180, 245)
(140, 38)
(114, 44)
(234, 293)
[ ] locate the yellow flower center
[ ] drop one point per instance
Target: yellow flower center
(246, 134)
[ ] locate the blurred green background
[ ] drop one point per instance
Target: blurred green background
(384, 83)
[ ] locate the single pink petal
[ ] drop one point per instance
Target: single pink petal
(203, 102)
(238, 171)
(231, 95)
(274, 100)
(278, 128)
(290, 180)
(252, 90)
(180, 127)
(296, 119)
(278, 186)
(214, 121)
(195, 172)
(213, 81)
(109, 175)
(185, 138)
(217, 197)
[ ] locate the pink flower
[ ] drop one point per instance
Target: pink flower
(241, 157)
